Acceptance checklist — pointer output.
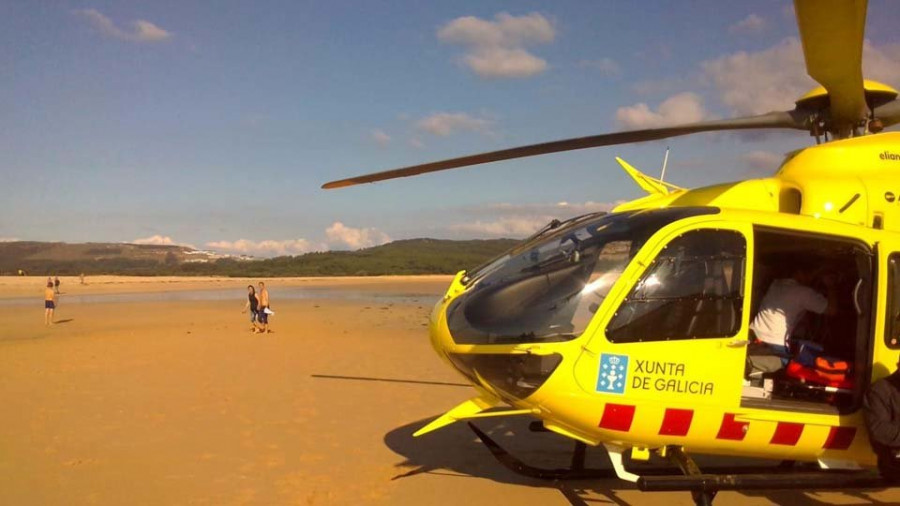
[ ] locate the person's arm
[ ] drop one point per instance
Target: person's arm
(246, 306)
(813, 301)
(877, 411)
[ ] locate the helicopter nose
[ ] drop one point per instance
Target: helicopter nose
(514, 375)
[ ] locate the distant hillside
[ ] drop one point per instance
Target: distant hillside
(93, 258)
(414, 256)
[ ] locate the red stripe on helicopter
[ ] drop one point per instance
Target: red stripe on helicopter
(676, 422)
(787, 434)
(731, 429)
(617, 417)
(840, 438)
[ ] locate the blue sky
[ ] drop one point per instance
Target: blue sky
(214, 124)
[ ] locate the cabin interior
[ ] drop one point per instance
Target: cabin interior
(829, 353)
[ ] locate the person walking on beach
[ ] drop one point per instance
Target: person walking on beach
(56, 284)
(49, 303)
(262, 315)
(253, 305)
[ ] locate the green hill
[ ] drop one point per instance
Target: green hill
(413, 256)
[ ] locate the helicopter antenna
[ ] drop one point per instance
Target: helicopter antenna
(662, 176)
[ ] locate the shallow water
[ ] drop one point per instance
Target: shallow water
(239, 295)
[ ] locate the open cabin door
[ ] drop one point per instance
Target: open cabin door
(825, 366)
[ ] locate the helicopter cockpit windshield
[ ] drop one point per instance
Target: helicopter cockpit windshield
(548, 288)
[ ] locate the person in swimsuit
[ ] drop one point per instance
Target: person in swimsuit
(49, 303)
(263, 317)
(252, 304)
(56, 284)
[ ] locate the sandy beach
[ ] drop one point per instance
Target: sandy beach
(168, 402)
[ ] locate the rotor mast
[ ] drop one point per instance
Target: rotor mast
(832, 32)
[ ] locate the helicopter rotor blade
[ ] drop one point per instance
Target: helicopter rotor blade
(832, 35)
(785, 119)
(889, 113)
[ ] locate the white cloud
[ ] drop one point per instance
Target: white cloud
(496, 49)
(416, 143)
(520, 220)
(606, 66)
(355, 238)
(156, 240)
(677, 109)
(751, 24)
(503, 62)
(762, 162)
(882, 63)
(772, 79)
(503, 227)
(380, 137)
(548, 211)
(762, 81)
(9, 239)
(266, 248)
(138, 31)
(446, 123)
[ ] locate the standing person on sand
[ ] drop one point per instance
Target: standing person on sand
(56, 284)
(262, 315)
(253, 305)
(49, 303)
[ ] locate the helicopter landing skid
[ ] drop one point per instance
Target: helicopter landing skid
(703, 486)
(576, 472)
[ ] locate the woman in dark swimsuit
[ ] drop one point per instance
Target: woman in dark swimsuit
(252, 304)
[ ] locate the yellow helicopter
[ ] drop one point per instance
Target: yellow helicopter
(632, 329)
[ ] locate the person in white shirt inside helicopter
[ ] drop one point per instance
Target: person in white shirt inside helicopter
(783, 305)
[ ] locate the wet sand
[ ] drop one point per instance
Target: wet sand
(24, 286)
(177, 403)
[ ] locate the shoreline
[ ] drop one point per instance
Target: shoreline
(15, 287)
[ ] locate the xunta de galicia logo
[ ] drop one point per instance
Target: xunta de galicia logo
(613, 374)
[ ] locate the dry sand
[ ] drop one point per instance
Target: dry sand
(177, 403)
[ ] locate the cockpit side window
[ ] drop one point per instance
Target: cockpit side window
(694, 289)
(549, 288)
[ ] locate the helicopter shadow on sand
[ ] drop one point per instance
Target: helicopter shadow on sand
(456, 451)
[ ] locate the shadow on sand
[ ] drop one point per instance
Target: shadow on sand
(455, 450)
(388, 380)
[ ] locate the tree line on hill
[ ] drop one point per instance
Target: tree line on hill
(414, 256)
